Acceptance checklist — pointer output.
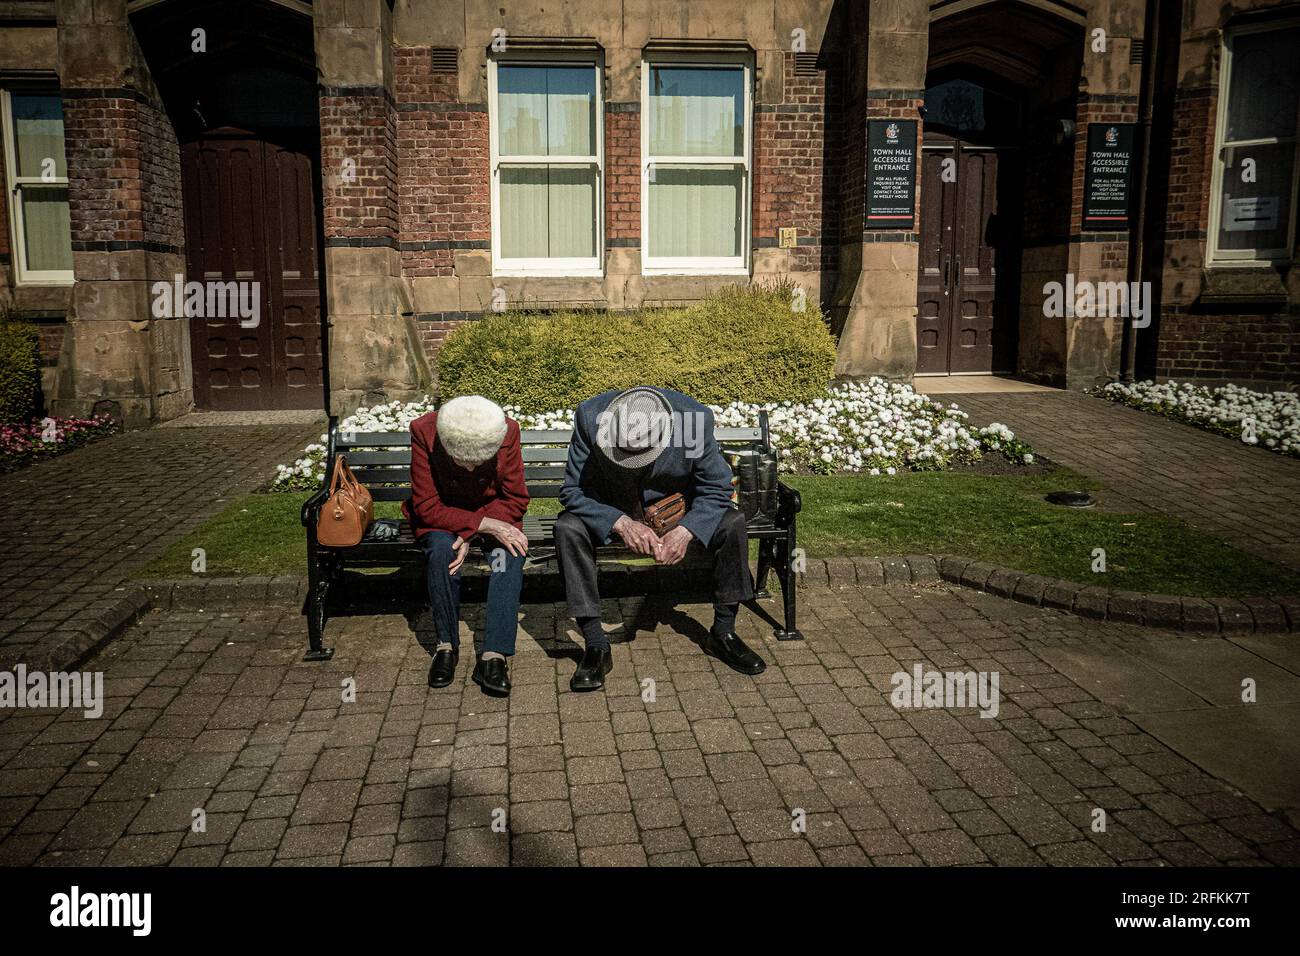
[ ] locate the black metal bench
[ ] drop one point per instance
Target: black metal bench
(382, 462)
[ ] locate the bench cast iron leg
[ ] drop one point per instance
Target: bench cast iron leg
(764, 566)
(318, 583)
(785, 573)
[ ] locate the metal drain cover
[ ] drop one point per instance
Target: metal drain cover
(1072, 499)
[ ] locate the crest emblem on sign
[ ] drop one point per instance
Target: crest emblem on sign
(1112, 136)
(891, 132)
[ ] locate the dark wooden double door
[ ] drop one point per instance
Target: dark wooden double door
(251, 217)
(969, 259)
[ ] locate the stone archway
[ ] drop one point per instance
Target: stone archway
(892, 50)
(997, 175)
(238, 80)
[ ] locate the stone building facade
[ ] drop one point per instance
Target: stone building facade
(282, 203)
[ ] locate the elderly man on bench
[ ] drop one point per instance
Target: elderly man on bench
(633, 450)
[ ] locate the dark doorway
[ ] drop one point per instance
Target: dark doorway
(243, 105)
(968, 282)
(250, 217)
(1000, 101)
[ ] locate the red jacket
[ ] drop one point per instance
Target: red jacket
(446, 497)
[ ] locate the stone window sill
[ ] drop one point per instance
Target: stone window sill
(1243, 285)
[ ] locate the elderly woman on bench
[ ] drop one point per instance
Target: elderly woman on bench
(467, 482)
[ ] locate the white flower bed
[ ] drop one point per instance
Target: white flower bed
(876, 427)
(1268, 419)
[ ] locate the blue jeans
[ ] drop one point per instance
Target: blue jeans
(444, 593)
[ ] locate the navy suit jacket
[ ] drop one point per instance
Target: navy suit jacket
(600, 492)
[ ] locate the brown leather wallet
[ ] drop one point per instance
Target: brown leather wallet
(662, 516)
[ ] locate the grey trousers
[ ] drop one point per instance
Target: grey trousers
(575, 548)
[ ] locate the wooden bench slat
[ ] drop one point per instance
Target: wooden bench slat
(395, 492)
(373, 440)
(399, 457)
(544, 472)
(382, 476)
(535, 453)
(727, 435)
(378, 477)
(545, 436)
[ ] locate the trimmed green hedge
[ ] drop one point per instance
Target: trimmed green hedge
(20, 371)
(739, 344)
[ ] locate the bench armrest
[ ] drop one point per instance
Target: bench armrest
(311, 508)
(789, 504)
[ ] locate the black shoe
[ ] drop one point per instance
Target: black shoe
(443, 669)
(731, 650)
(493, 676)
(590, 675)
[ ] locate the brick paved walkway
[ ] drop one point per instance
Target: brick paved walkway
(215, 711)
(75, 527)
(1249, 496)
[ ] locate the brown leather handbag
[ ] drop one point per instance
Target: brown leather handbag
(347, 511)
(664, 514)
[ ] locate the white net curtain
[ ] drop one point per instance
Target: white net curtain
(38, 149)
(548, 210)
(696, 209)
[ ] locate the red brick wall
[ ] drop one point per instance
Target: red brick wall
(1191, 160)
(1260, 348)
(160, 172)
(1256, 349)
(124, 174)
(102, 137)
(443, 186)
(358, 125)
(433, 332)
(51, 341)
(623, 174)
(789, 142)
(853, 173)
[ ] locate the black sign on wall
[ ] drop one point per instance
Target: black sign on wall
(1108, 178)
(891, 174)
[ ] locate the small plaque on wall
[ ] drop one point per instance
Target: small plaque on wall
(1108, 178)
(891, 174)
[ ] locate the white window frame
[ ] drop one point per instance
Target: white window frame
(14, 185)
(698, 265)
(566, 266)
(1246, 257)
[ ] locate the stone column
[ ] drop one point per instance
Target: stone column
(1108, 93)
(374, 347)
(875, 299)
(125, 225)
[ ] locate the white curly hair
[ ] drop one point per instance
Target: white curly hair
(471, 428)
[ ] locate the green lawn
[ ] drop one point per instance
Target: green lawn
(1002, 519)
